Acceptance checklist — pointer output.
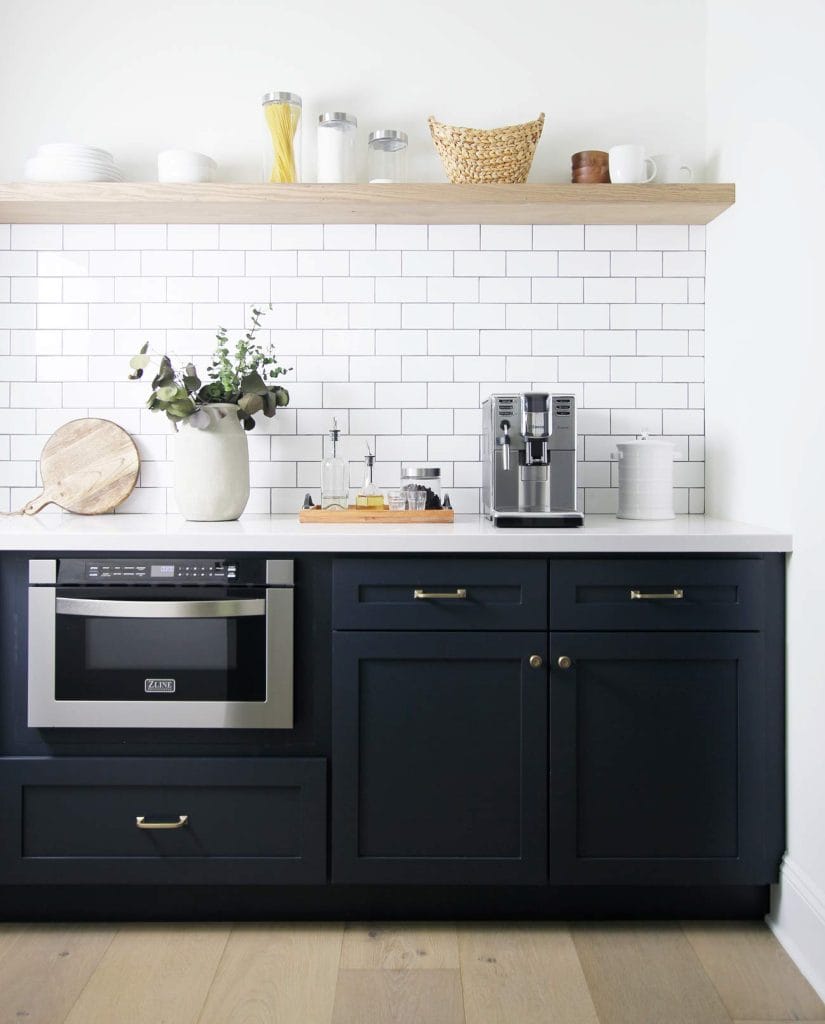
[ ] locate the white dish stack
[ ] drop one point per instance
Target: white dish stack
(645, 479)
(65, 161)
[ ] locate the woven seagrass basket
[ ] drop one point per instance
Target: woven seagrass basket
(480, 155)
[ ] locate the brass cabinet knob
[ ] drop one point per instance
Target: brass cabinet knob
(535, 661)
(564, 662)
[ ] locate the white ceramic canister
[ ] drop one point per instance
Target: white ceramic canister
(645, 479)
(212, 467)
(337, 133)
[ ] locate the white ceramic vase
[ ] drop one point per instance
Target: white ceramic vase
(212, 467)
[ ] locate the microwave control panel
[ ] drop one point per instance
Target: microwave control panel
(143, 571)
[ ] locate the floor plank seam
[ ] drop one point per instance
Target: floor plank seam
(92, 973)
(211, 984)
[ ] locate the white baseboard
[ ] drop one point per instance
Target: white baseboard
(797, 919)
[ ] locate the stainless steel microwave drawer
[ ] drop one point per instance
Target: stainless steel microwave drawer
(163, 820)
(439, 593)
(658, 593)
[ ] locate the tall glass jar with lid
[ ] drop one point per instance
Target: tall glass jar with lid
(387, 157)
(336, 147)
(282, 149)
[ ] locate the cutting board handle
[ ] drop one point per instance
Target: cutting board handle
(36, 504)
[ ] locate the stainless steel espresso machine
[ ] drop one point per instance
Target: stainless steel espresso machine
(529, 460)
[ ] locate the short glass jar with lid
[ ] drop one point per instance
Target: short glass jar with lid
(282, 149)
(422, 480)
(387, 157)
(336, 148)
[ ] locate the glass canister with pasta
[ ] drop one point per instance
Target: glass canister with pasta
(282, 153)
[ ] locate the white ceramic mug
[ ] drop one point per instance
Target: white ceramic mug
(627, 165)
(672, 170)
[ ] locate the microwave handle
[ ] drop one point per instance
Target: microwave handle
(100, 608)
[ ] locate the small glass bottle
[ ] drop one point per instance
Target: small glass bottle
(282, 151)
(334, 475)
(369, 496)
(336, 148)
(387, 157)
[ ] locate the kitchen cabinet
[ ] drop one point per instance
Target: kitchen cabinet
(167, 821)
(658, 767)
(440, 758)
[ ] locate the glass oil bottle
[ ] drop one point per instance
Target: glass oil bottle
(369, 497)
(334, 475)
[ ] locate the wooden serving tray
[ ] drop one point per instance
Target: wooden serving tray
(375, 515)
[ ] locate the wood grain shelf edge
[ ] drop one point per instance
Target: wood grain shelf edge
(153, 203)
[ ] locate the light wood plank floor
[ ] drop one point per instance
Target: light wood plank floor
(553, 973)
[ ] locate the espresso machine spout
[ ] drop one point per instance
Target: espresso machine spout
(503, 442)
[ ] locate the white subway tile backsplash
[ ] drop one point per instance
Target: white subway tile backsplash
(37, 236)
(426, 315)
(506, 236)
(454, 236)
(532, 264)
(245, 236)
(375, 264)
(610, 236)
(558, 236)
(400, 236)
(449, 289)
(636, 316)
(662, 236)
(683, 264)
(140, 236)
(375, 368)
(584, 317)
(610, 289)
(427, 264)
(62, 264)
(558, 343)
(636, 264)
(334, 289)
(398, 330)
(524, 316)
(501, 289)
(584, 264)
(683, 316)
(384, 315)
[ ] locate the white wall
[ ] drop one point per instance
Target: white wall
(766, 369)
(138, 77)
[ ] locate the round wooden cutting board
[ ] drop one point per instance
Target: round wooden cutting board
(88, 466)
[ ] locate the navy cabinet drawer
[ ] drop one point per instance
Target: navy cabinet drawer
(240, 820)
(453, 593)
(657, 593)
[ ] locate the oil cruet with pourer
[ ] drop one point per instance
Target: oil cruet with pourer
(369, 496)
(334, 474)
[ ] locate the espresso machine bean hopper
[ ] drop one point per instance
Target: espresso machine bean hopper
(529, 460)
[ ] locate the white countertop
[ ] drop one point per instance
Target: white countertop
(63, 532)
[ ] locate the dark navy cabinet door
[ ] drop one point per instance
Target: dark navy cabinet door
(657, 755)
(439, 758)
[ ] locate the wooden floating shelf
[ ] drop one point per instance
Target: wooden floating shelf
(375, 515)
(152, 203)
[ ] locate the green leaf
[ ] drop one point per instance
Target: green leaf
(135, 374)
(168, 393)
(144, 348)
(139, 362)
(282, 396)
(250, 404)
(270, 404)
(252, 384)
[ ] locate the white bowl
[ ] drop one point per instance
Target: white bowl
(180, 166)
(45, 170)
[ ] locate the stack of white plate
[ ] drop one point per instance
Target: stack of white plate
(65, 161)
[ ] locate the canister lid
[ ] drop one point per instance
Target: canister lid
(388, 138)
(338, 117)
(282, 97)
(421, 472)
(645, 441)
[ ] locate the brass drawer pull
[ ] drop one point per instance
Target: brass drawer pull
(428, 595)
(182, 821)
(677, 594)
